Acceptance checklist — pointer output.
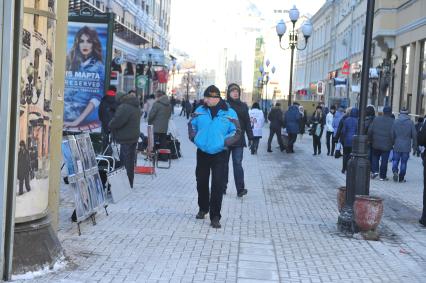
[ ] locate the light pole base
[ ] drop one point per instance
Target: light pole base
(345, 221)
(35, 246)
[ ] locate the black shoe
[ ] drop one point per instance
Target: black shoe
(374, 175)
(215, 223)
(328, 153)
(241, 193)
(74, 216)
(395, 177)
(201, 214)
(319, 152)
(314, 153)
(401, 179)
(422, 222)
(269, 150)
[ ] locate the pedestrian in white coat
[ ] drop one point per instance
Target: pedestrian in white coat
(257, 121)
(330, 130)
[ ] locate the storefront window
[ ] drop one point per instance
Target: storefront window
(405, 77)
(422, 82)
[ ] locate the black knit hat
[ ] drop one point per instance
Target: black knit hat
(212, 91)
(232, 87)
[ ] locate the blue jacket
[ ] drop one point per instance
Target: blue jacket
(292, 120)
(214, 135)
(336, 121)
(350, 127)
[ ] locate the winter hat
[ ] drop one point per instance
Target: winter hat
(110, 93)
(387, 110)
(333, 107)
(232, 87)
(403, 111)
(212, 91)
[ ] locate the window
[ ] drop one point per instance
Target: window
(421, 93)
(403, 101)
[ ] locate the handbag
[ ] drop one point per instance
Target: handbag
(337, 153)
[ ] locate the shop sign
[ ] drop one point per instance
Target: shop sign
(332, 75)
(345, 68)
(355, 68)
(114, 78)
(320, 87)
(340, 82)
(141, 81)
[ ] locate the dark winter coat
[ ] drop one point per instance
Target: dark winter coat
(317, 121)
(24, 162)
(380, 133)
(106, 111)
(125, 125)
(275, 118)
(244, 118)
(350, 128)
(404, 134)
(160, 114)
(303, 122)
(292, 120)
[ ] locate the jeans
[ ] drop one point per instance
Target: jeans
(291, 140)
(397, 157)
(346, 156)
(214, 163)
(277, 132)
(376, 156)
(254, 145)
(237, 163)
(330, 142)
(316, 143)
(128, 158)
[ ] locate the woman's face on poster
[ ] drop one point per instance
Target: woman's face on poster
(85, 45)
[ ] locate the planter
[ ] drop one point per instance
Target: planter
(368, 211)
(341, 196)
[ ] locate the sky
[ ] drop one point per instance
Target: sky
(200, 27)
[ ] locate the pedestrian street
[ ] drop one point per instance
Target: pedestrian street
(283, 230)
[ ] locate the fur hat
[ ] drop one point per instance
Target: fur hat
(212, 91)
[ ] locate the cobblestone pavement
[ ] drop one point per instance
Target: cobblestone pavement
(284, 230)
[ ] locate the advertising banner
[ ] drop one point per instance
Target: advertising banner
(85, 77)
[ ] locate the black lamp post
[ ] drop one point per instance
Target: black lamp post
(358, 175)
(263, 80)
(293, 40)
(188, 79)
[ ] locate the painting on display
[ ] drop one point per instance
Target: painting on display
(35, 115)
(83, 204)
(85, 74)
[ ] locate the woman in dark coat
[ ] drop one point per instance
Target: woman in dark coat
(317, 121)
(303, 121)
(24, 168)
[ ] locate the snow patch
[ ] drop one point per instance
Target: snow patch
(58, 265)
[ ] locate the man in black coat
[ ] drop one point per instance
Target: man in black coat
(106, 112)
(421, 141)
(275, 118)
(237, 149)
(24, 168)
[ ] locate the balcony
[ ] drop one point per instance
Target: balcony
(26, 39)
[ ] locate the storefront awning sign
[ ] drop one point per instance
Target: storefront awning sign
(345, 68)
(320, 87)
(340, 82)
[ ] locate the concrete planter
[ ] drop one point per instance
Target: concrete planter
(368, 211)
(341, 196)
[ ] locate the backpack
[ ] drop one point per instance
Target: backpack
(421, 136)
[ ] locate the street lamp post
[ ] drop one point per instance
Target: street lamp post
(293, 40)
(188, 73)
(263, 80)
(358, 175)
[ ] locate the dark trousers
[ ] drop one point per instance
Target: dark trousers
(182, 111)
(27, 184)
(128, 158)
(254, 145)
(331, 143)
(237, 164)
(316, 140)
(291, 140)
(214, 163)
(277, 132)
(403, 158)
(160, 140)
(346, 156)
(376, 156)
(424, 187)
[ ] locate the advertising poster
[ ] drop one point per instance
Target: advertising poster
(82, 200)
(35, 116)
(85, 74)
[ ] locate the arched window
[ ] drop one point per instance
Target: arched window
(37, 54)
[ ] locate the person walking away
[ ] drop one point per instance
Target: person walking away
(148, 105)
(349, 130)
(194, 106)
(183, 107)
(188, 108)
(421, 141)
(303, 121)
(159, 118)
(405, 138)
(106, 112)
(418, 126)
(291, 122)
(125, 127)
(24, 168)
(237, 149)
(370, 113)
(213, 128)
(275, 118)
(380, 138)
(173, 104)
(257, 120)
(336, 122)
(317, 129)
(330, 130)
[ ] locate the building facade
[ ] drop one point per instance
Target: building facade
(334, 55)
(141, 38)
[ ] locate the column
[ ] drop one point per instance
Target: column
(414, 79)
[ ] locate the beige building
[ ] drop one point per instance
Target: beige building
(398, 70)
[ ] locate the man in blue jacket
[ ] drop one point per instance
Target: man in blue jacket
(292, 124)
(213, 128)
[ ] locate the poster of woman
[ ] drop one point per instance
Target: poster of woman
(85, 74)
